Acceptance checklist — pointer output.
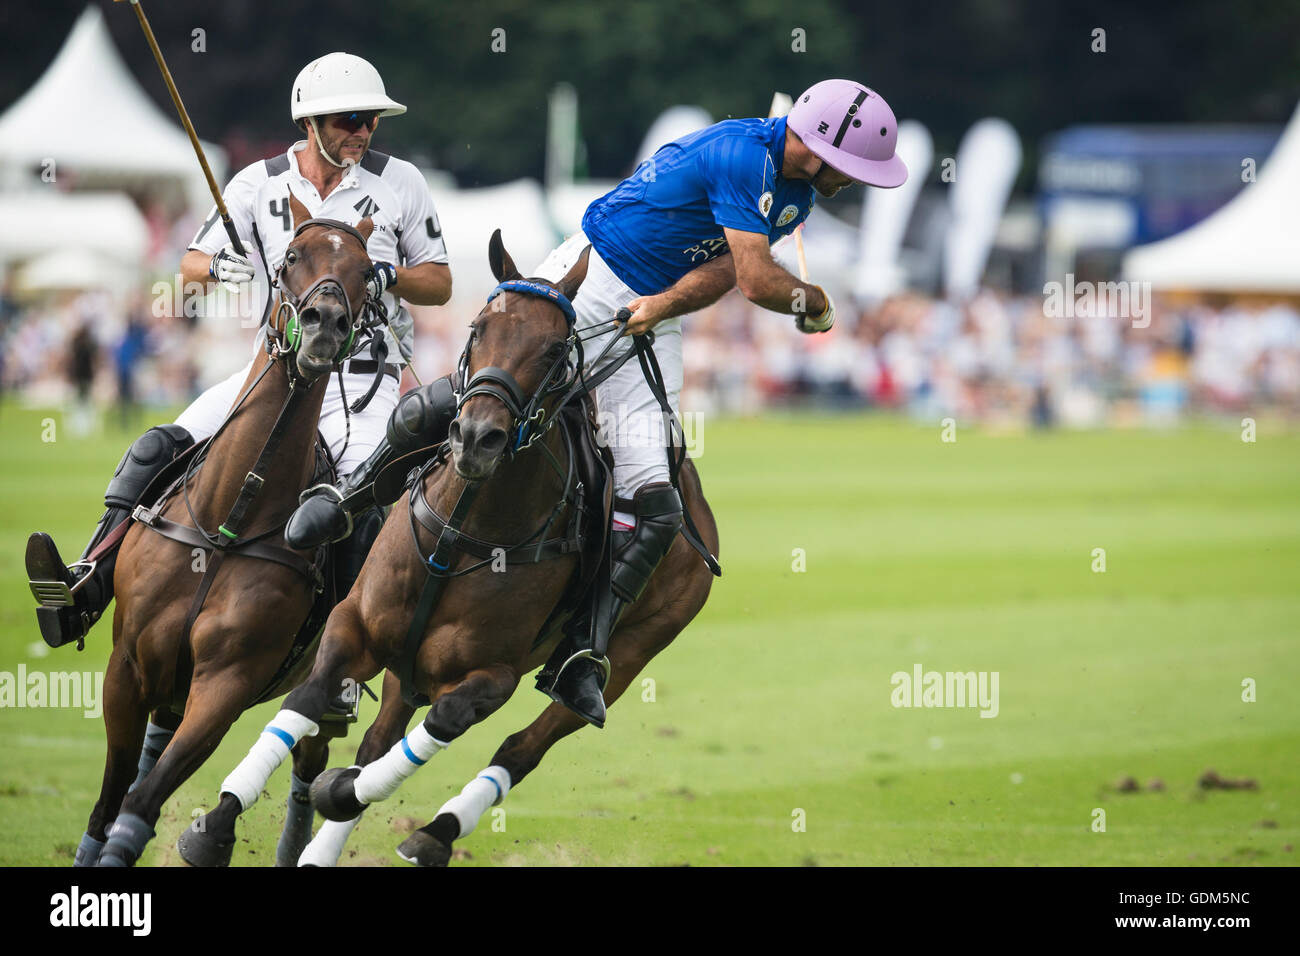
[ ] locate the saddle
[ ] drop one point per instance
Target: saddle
(318, 572)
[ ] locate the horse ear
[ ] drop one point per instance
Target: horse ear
(568, 286)
(503, 267)
(300, 213)
(366, 227)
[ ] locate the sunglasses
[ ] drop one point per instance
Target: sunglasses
(354, 121)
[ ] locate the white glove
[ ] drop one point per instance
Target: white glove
(823, 322)
(230, 268)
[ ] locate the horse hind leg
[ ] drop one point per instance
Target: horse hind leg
(343, 793)
(124, 724)
(388, 727)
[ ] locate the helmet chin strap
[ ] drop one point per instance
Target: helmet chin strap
(320, 145)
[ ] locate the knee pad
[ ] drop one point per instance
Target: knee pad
(423, 416)
(658, 510)
(146, 457)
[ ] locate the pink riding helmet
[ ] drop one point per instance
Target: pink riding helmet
(852, 129)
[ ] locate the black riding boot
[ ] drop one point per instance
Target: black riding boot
(420, 419)
(579, 663)
(73, 598)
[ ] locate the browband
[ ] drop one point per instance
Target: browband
(529, 287)
(332, 224)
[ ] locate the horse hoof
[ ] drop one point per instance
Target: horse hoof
(198, 848)
(334, 794)
(421, 849)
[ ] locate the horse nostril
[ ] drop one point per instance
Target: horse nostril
(493, 442)
(309, 316)
(454, 432)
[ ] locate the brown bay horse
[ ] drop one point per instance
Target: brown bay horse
(483, 634)
(223, 626)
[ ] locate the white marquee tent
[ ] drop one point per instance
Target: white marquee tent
(88, 115)
(1250, 245)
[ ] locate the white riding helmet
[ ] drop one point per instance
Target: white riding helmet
(340, 83)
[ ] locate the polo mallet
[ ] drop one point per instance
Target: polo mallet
(189, 127)
(781, 103)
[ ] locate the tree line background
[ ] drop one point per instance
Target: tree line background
(481, 115)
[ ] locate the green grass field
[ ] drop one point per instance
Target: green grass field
(970, 556)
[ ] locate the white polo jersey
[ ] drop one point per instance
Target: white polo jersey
(391, 191)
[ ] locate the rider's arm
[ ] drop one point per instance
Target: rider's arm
(765, 283)
(423, 276)
(240, 197)
(426, 284)
(702, 286)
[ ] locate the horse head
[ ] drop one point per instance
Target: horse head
(514, 365)
(322, 291)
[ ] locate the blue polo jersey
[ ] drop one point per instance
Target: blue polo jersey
(667, 217)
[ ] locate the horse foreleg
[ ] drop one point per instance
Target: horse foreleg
(162, 726)
(342, 794)
(124, 720)
(215, 701)
(631, 649)
(341, 655)
(388, 727)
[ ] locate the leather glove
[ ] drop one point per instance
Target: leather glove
(230, 268)
(821, 323)
(382, 277)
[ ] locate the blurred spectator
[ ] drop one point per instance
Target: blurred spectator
(130, 350)
(83, 359)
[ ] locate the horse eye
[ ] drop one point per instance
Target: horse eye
(290, 258)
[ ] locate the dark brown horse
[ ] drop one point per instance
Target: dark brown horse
(228, 645)
(482, 636)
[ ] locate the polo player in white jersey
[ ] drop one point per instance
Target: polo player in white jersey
(336, 101)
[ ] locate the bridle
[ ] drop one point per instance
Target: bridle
(283, 337)
(528, 413)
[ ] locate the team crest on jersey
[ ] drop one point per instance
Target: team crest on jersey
(787, 215)
(765, 203)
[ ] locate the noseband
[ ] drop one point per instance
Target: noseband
(286, 339)
(528, 414)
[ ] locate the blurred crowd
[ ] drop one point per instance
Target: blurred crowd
(1002, 359)
(997, 359)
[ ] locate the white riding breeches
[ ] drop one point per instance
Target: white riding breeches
(631, 420)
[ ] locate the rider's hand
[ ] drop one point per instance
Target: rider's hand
(230, 268)
(382, 277)
(823, 322)
(647, 312)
